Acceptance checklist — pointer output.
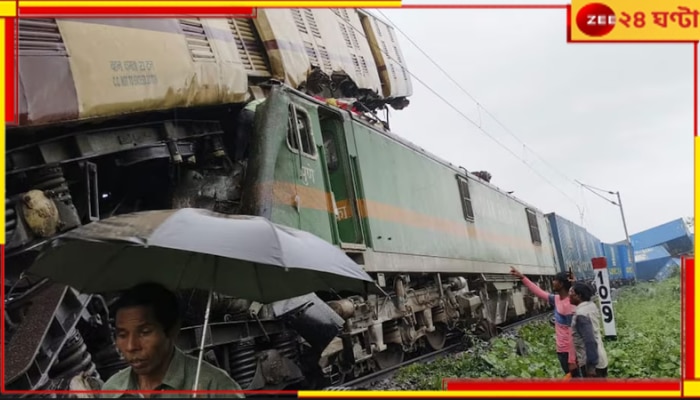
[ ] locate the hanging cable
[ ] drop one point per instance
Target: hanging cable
(479, 105)
(471, 121)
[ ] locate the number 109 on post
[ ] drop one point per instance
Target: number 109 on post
(602, 285)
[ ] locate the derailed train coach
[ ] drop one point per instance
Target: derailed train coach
(122, 115)
(113, 67)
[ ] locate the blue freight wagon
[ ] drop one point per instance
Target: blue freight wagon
(628, 275)
(575, 246)
(674, 236)
(650, 262)
(672, 265)
(614, 266)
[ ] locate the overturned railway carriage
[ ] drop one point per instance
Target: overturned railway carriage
(148, 119)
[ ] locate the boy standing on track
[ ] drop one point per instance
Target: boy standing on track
(563, 314)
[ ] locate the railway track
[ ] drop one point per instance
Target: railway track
(365, 381)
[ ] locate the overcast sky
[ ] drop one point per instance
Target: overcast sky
(614, 116)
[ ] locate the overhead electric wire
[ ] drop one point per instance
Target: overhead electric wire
(593, 187)
(478, 126)
(478, 104)
(590, 188)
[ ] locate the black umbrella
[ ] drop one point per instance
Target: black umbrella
(242, 256)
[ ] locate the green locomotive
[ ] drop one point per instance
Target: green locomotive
(438, 239)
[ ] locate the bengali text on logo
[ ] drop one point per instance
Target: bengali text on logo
(623, 20)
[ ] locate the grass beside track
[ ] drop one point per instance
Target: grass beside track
(648, 345)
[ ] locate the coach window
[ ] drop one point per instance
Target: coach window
(466, 198)
(534, 227)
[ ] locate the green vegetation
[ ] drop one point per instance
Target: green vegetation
(648, 345)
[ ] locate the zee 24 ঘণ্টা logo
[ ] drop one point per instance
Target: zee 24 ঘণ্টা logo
(597, 19)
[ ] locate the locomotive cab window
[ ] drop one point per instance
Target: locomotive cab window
(299, 134)
(534, 227)
(466, 198)
(331, 151)
(292, 136)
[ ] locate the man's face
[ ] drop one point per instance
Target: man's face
(142, 340)
(556, 285)
(573, 297)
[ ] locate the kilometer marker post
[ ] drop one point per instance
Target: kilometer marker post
(602, 285)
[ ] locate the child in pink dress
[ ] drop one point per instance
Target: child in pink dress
(563, 314)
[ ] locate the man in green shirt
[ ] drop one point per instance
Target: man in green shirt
(147, 325)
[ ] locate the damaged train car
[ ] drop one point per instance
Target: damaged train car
(124, 115)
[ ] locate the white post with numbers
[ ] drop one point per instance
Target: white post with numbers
(602, 285)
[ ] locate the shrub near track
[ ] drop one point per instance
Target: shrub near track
(648, 345)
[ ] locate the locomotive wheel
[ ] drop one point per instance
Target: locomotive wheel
(393, 355)
(436, 339)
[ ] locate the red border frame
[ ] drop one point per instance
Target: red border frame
(688, 307)
(11, 68)
(145, 12)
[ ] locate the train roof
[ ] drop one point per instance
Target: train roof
(79, 69)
